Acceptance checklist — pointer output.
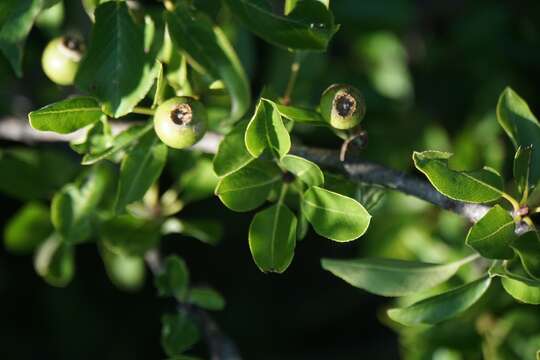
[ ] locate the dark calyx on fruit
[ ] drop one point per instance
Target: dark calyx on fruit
(182, 114)
(72, 43)
(345, 105)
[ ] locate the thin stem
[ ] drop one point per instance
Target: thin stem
(529, 222)
(143, 111)
(512, 201)
(295, 68)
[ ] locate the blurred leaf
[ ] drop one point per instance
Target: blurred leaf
(527, 247)
(174, 279)
(266, 130)
(386, 60)
(335, 216)
(272, 238)
(479, 186)
(66, 116)
(492, 235)
(116, 68)
(140, 168)
(388, 277)
(209, 49)
(121, 141)
(208, 231)
(27, 228)
(521, 126)
(522, 169)
(232, 153)
(16, 20)
(55, 262)
(129, 236)
(74, 206)
(198, 182)
(125, 272)
(50, 19)
(443, 306)
(178, 333)
(309, 26)
(305, 170)
(249, 187)
(206, 298)
(23, 168)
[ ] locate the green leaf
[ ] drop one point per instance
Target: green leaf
(120, 142)
(521, 126)
(479, 186)
(301, 115)
(208, 231)
(28, 228)
(161, 86)
(521, 288)
(55, 261)
(116, 69)
(174, 279)
(249, 187)
(443, 306)
(492, 235)
(98, 139)
(66, 116)
(178, 333)
(272, 238)
(206, 298)
(23, 169)
(198, 182)
(266, 130)
(16, 20)
(335, 216)
(73, 207)
(209, 51)
(305, 170)
(527, 247)
(389, 277)
(522, 169)
(310, 26)
(129, 236)
(140, 168)
(125, 272)
(232, 153)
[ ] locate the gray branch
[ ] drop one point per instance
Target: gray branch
(221, 347)
(361, 170)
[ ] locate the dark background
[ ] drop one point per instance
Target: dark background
(457, 55)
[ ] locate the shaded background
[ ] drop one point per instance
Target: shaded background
(431, 72)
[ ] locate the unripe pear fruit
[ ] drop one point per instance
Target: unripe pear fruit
(343, 106)
(61, 58)
(180, 121)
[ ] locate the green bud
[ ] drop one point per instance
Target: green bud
(343, 106)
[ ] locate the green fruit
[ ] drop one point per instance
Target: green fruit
(180, 121)
(61, 58)
(342, 106)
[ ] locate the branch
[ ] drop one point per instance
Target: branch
(220, 346)
(357, 169)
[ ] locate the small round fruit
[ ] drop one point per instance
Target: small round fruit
(61, 59)
(180, 121)
(342, 106)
